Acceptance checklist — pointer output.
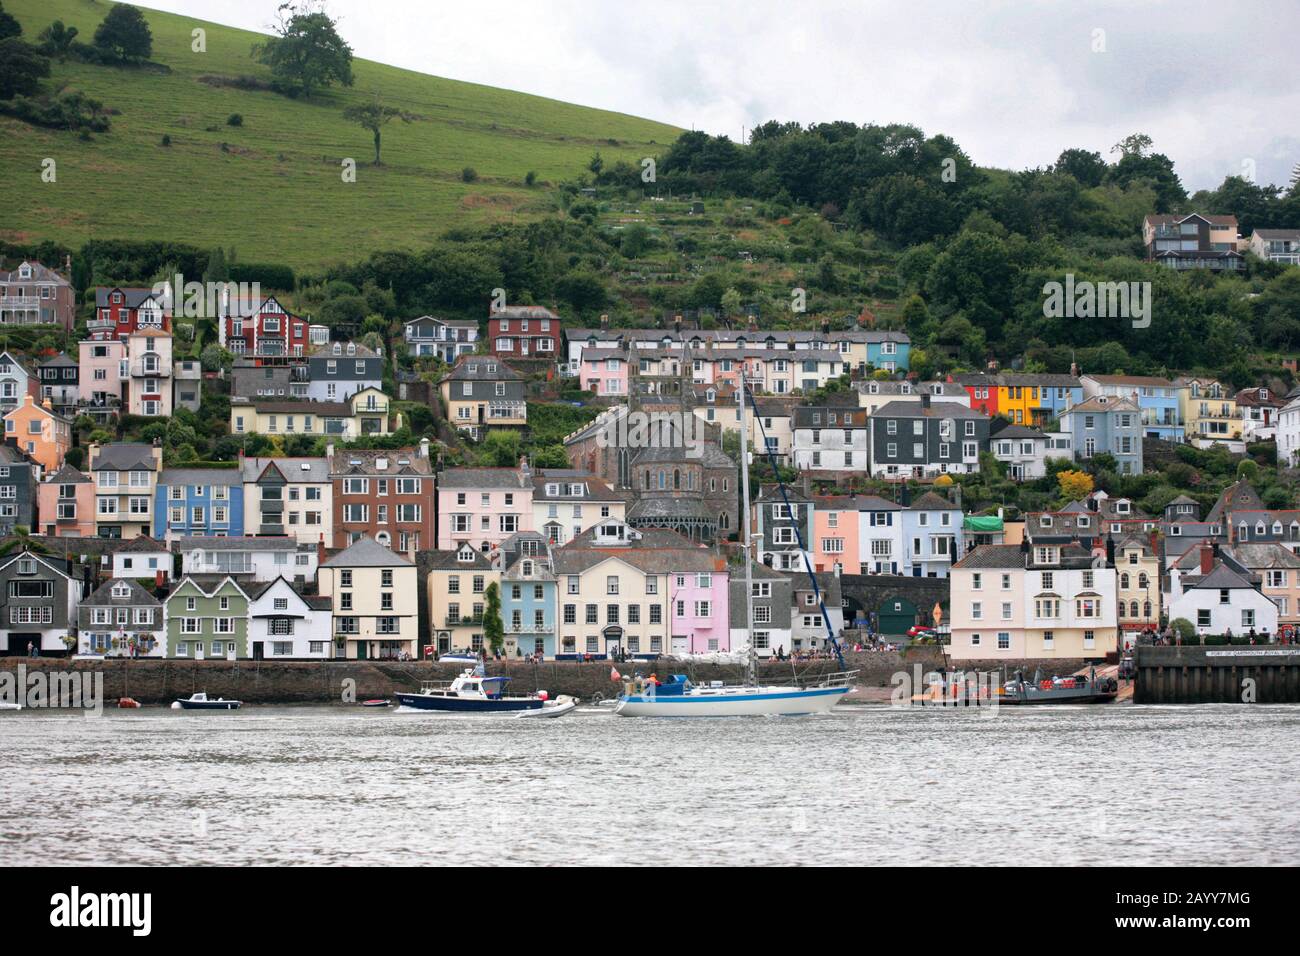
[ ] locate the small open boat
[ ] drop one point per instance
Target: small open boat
(552, 708)
(376, 702)
(458, 659)
(472, 692)
(200, 701)
(127, 703)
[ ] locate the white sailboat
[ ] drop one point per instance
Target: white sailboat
(681, 697)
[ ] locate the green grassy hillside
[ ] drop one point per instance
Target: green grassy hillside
(275, 191)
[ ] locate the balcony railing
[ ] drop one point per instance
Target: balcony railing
(143, 369)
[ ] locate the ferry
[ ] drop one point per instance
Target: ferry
(1079, 689)
(471, 693)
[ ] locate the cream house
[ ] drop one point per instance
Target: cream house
(375, 602)
(289, 496)
(457, 588)
(1137, 569)
(1020, 602)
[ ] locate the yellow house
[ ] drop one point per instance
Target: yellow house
(363, 413)
(456, 587)
(1210, 410)
(374, 598)
(1138, 587)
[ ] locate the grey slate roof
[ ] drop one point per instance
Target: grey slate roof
(317, 472)
(237, 543)
(934, 410)
(473, 479)
(124, 456)
(367, 553)
(102, 596)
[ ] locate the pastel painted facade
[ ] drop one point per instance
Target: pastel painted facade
(40, 433)
(931, 536)
(566, 503)
(126, 481)
(481, 393)
(1104, 423)
(286, 625)
(17, 382)
(375, 601)
(102, 372)
(364, 413)
(149, 371)
(1210, 412)
(457, 589)
(197, 502)
(1137, 567)
(1046, 602)
(1160, 401)
(528, 606)
(483, 506)
(700, 611)
(836, 534)
(289, 496)
(207, 618)
(65, 504)
(604, 372)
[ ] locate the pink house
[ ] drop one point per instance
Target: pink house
(835, 533)
(483, 506)
(65, 505)
(700, 610)
(604, 371)
(101, 371)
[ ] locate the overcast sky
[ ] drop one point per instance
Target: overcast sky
(1215, 84)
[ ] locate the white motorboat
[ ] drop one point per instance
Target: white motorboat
(9, 705)
(201, 701)
(552, 708)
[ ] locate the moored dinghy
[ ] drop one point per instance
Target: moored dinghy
(552, 708)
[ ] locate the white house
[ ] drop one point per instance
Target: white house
(284, 624)
(249, 558)
(1288, 431)
(1023, 450)
(1219, 599)
(141, 558)
(830, 439)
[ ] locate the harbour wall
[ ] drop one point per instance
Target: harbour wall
(325, 682)
(1267, 674)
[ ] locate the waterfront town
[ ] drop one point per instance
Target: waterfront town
(377, 495)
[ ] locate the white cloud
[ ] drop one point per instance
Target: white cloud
(1013, 83)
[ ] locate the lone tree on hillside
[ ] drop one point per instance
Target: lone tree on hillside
(57, 39)
(124, 34)
(306, 51)
(373, 116)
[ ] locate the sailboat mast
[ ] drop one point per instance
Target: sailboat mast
(747, 544)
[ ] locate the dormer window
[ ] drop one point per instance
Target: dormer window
(1045, 521)
(121, 591)
(528, 569)
(465, 554)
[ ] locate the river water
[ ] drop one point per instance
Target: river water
(1201, 785)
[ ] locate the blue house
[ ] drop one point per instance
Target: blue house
(889, 350)
(198, 502)
(1159, 400)
(528, 597)
(932, 535)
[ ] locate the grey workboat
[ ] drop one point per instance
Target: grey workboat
(1078, 689)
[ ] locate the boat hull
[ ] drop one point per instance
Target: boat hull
(468, 705)
(209, 704)
(741, 702)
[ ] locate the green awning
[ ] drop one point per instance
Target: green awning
(986, 524)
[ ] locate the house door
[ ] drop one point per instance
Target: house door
(523, 346)
(361, 650)
(257, 650)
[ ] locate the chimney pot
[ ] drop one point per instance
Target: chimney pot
(1207, 559)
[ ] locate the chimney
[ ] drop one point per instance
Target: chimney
(1207, 559)
(424, 448)
(320, 549)
(1110, 552)
(826, 326)
(925, 399)
(329, 452)
(677, 323)
(1074, 369)
(604, 323)
(1154, 540)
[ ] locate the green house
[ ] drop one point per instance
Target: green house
(207, 617)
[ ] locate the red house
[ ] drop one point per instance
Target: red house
(982, 389)
(263, 330)
(524, 332)
(121, 311)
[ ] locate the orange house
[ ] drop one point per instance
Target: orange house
(65, 504)
(44, 436)
(835, 533)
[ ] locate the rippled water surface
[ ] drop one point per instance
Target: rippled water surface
(1121, 784)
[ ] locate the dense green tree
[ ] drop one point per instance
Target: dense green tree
(1085, 166)
(9, 25)
(306, 52)
(493, 628)
(124, 34)
(57, 40)
(21, 68)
